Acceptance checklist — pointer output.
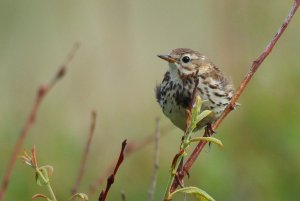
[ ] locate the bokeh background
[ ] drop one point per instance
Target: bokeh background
(115, 72)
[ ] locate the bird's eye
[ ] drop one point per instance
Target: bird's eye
(186, 59)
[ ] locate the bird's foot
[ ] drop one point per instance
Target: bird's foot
(209, 131)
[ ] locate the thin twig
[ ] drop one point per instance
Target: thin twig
(111, 178)
(132, 147)
(156, 161)
(255, 65)
(123, 196)
(41, 93)
(85, 153)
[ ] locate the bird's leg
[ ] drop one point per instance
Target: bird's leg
(209, 131)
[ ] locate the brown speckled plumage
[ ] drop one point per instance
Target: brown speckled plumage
(186, 68)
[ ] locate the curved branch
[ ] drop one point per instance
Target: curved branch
(255, 65)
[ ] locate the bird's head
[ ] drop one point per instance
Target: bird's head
(186, 61)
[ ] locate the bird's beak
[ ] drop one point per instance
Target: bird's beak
(167, 58)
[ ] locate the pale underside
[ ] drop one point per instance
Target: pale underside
(176, 94)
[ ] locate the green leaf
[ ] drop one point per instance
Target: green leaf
(81, 196)
(43, 175)
(48, 169)
(197, 106)
(202, 115)
(199, 194)
(194, 113)
(208, 139)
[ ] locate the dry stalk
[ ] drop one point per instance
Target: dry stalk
(41, 94)
(156, 161)
(85, 153)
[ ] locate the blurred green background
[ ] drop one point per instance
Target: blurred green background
(115, 72)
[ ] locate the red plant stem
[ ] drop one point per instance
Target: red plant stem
(85, 153)
(255, 65)
(41, 93)
(111, 178)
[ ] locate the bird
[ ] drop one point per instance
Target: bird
(190, 74)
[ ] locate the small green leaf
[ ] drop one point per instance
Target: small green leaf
(197, 106)
(40, 181)
(81, 196)
(195, 113)
(43, 175)
(203, 115)
(199, 194)
(208, 139)
(49, 170)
